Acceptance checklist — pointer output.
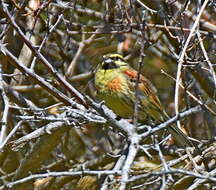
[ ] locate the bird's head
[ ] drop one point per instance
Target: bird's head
(113, 61)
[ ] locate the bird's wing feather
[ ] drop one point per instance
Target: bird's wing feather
(150, 102)
(146, 94)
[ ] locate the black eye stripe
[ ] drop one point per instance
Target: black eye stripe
(117, 58)
(111, 65)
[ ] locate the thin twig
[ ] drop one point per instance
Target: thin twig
(10, 135)
(181, 58)
(6, 109)
(207, 60)
(60, 78)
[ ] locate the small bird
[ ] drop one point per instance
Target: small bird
(115, 82)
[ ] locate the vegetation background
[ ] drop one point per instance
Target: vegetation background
(55, 134)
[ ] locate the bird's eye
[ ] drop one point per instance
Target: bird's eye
(116, 58)
(109, 65)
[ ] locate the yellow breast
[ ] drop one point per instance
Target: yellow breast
(113, 89)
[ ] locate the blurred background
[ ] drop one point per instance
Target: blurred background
(73, 36)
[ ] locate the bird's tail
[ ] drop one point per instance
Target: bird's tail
(178, 135)
(180, 138)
